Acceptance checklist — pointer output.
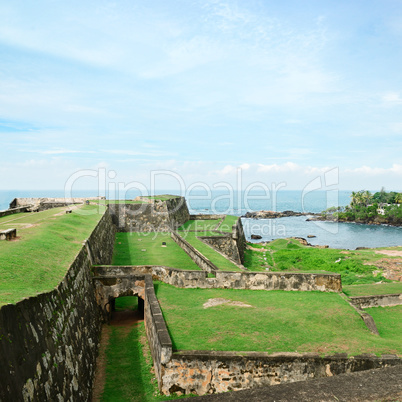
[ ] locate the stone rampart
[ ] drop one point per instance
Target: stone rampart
(158, 336)
(231, 245)
(377, 300)
(13, 211)
(240, 239)
(157, 215)
(203, 262)
(201, 217)
(225, 245)
(326, 282)
(207, 372)
(49, 343)
(44, 203)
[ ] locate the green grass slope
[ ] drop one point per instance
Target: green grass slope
(355, 267)
(48, 242)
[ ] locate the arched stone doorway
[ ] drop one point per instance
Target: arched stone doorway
(108, 289)
(127, 310)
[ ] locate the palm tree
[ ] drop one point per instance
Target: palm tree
(398, 198)
(362, 197)
(366, 197)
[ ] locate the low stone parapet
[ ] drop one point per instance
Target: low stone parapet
(325, 282)
(208, 372)
(377, 300)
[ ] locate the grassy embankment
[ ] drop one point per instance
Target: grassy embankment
(194, 228)
(373, 289)
(355, 267)
(277, 321)
(129, 370)
(47, 244)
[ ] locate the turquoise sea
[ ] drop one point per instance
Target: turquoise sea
(336, 235)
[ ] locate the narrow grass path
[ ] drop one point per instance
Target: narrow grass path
(129, 250)
(221, 262)
(373, 289)
(128, 369)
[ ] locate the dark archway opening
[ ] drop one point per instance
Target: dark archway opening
(127, 310)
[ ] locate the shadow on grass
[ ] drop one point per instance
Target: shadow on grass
(122, 254)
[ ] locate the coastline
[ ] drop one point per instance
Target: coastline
(321, 218)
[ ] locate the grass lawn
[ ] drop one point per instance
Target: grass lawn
(128, 251)
(24, 218)
(47, 245)
(227, 224)
(129, 369)
(373, 289)
(203, 227)
(221, 262)
(355, 267)
(389, 324)
(278, 321)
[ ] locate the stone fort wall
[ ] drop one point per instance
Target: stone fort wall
(153, 216)
(49, 343)
(209, 372)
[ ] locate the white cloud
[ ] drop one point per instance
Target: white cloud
(286, 167)
(396, 127)
(392, 98)
(375, 171)
(137, 153)
(60, 151)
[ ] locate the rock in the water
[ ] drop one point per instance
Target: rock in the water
(311, 236)
(256, 237)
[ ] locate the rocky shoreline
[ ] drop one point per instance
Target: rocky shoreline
(274, 214)
(326, 218)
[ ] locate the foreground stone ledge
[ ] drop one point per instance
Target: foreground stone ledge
(372, 385)
(208, 372)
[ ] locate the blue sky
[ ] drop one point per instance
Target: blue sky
(286, 91)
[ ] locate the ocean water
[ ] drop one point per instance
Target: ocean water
(235, 203)
(336, 235)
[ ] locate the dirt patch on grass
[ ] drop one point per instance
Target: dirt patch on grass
(218, 301)
(255, 248)
(393, 253)
(392, 267)
(126, 318)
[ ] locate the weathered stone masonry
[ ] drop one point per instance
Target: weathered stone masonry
(162, 216)
(49, 343)
(203, 372)
(327, 282)
(231, 245)
(377, 300)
